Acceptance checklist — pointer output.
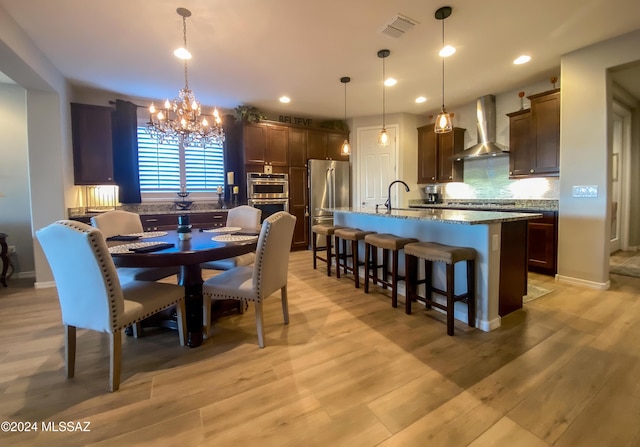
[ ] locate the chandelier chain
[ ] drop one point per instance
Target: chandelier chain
(184, 39)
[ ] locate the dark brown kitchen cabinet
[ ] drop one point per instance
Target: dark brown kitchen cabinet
(545, 132)
(92, 144)
(297, 147)
(334, 146)
(266, 144)
(435, 155)
(543, 243)
(520, 153)
(535, 137)
(324, 145)
(298, 207)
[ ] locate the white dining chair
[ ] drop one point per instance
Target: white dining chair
(247, 218)
(91, 294)
(255, 283)
(121, 223)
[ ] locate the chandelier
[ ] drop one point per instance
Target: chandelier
(181, 120)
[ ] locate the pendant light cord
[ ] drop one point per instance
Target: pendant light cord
(383, 93)
(184, 38)
(442, 65)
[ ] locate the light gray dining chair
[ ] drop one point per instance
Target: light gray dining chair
(255, 283)
(247, 218)
(91, 294)
(121, 223)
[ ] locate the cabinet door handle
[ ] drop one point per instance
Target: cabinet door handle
(450, 177)
(433, 178)
(532, 171)
(510, 172)
(151, 220)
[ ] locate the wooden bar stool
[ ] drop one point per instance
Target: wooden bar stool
(433, 252)
(354, 235)
(386, 242)
(327, 231)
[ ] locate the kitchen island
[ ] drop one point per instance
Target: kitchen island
(500, 239)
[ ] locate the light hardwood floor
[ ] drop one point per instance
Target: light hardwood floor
(349, 370)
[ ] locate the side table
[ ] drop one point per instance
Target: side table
(5, 258)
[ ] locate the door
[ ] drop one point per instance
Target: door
(620, 156)
(377, 167)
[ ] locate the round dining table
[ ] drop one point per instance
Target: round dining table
(189, 254)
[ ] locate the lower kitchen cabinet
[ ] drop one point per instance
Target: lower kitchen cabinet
(298, 207)
(543, 243)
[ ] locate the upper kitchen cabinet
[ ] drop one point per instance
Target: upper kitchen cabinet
(537, 152)
(266, 144)
(520, 153)
(435, 155)
(92, 144)
(324, 145)
(297, 147)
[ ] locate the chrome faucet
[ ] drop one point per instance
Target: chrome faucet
(388, 202)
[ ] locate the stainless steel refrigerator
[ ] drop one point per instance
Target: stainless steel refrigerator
(329, 187)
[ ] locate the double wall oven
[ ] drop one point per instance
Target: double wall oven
(268, 192)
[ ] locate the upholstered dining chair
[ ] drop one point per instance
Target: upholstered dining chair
(91, 295)
(255, 283)
(247, 218)
(120, 223)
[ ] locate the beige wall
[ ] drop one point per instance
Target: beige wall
(48, 131)
(15, 203)
(585, 145)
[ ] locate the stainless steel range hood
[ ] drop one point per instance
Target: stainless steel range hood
(487, 146)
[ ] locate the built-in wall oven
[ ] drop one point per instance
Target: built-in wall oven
(268, 192)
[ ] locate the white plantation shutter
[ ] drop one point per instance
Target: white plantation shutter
(164, 167)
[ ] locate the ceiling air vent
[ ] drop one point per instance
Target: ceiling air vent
(397, 26)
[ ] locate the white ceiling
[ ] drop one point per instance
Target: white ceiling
(252, 52)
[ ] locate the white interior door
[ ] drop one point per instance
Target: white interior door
(620, 156)
(377, 166)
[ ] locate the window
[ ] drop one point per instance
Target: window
(165, 167)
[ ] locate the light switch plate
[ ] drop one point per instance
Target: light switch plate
(585, 191)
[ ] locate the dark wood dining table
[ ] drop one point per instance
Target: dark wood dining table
(188, 254)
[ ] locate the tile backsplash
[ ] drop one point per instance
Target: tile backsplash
(488, 178)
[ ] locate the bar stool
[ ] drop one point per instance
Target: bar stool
(387, 242)
(327, 231)
(433, 252)
(354, 235)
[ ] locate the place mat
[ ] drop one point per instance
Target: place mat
(148, 234)
(228, 230)
(133, 246)
(233, 238)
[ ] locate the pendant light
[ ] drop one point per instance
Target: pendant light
(443, 121)
(383, 137)
(346, 147)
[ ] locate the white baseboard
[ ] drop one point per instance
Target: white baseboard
(583, 282)
(44, 284)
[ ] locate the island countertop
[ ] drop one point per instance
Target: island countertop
(461, 217)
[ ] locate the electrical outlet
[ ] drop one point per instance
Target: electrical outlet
(585, 191)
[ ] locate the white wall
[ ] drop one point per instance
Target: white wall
(15, 202)
(585, 142)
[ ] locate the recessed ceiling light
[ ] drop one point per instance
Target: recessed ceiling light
(522, 59)
(390, 82)
(420, 99)
(285, 99)
(182, 53)
(447, 51)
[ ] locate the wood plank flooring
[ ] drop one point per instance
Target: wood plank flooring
(349, 370)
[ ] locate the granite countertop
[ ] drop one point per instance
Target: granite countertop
(492, 204)
(461, 217)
